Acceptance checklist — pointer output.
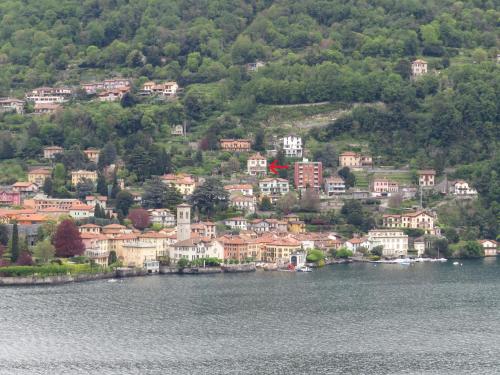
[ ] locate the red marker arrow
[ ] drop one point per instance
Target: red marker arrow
(274, 166)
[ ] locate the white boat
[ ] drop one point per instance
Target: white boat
(303, 269)
(112, 281)
(456, 263)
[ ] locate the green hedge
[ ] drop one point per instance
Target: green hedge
(48, 270)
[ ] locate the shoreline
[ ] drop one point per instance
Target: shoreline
(120, 273)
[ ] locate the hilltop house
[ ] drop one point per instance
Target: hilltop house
(257, 165)
(384, 185)
(292, 146)
(352, 159)
(183, 182)
(12, 105)
(273, 187)
(49, 95)
(418, 68)
(107, 84)
(241, 145)
(426, 177)
(462, 188)
(163, 89)
(39, 175)
(46, 108)
(92, 154)
(82, 175)
(243, 189)
(50, 151)
(334, 185)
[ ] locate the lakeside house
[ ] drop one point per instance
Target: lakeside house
(394, 242)
(490, 247)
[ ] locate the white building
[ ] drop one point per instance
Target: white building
(243, 203)
(162, 216)
(462, 187)
(393, 241)
(237, 223)
(196, 248)
(274, 187)
(334, 185)
(11, 104)
(257, 165)
(243, 189)
(292, 146)
(418, 68)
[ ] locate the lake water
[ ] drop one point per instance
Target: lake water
(342, 319)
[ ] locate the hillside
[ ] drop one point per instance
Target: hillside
(352, 58)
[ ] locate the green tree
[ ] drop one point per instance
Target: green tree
(210, 197)
(112, 258)
(124, 200)
(44, 250)
(14, 244)
(265, 204)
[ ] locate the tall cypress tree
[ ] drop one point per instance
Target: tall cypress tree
(14, 244)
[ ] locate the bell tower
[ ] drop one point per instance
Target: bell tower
(183, 222)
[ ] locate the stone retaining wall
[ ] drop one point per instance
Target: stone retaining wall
(53, 280)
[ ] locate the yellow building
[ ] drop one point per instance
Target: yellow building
(294, 224)
(184, 183)
(39, 175)
(160, 240)
(280, 249)
(81, 175)
(132, 251)
(92, 154)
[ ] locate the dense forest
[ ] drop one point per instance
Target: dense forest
(340, 51)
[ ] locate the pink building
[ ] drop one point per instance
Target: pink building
(382, 185)
(10, 198)
(308, 175)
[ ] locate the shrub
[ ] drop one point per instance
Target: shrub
(315, 255)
